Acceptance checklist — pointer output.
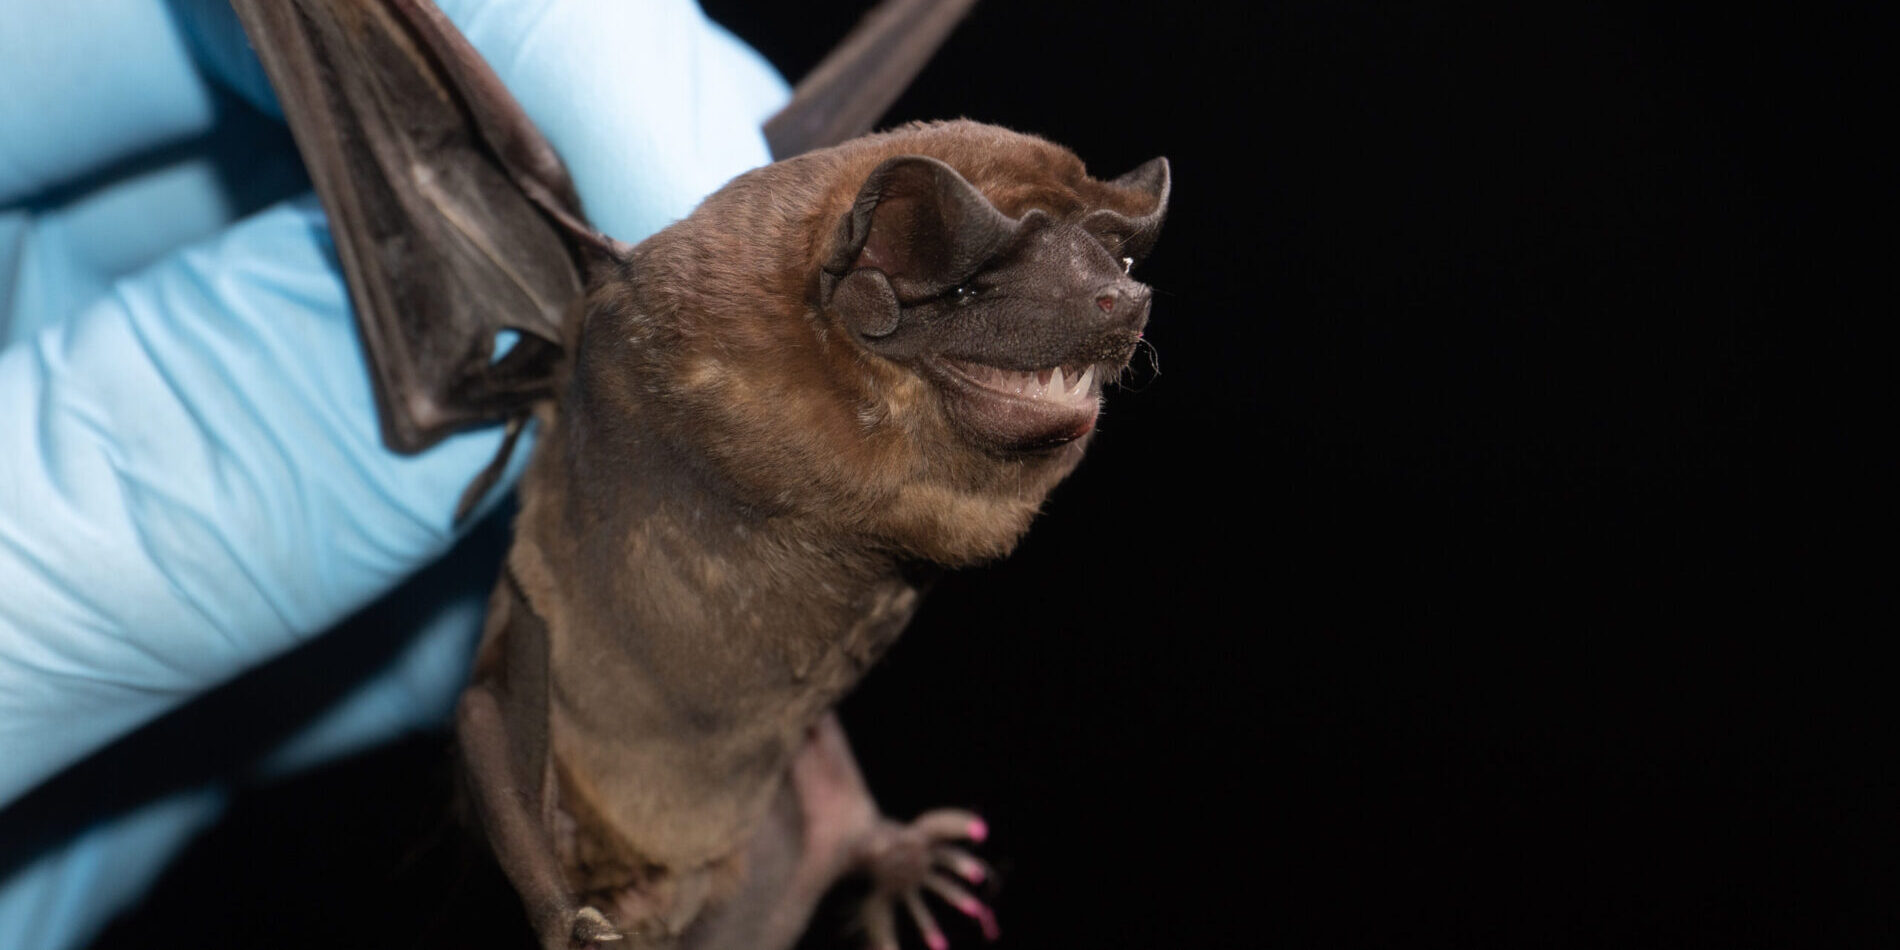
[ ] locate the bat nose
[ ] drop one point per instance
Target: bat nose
(1124, 303)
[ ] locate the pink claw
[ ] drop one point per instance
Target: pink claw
(979, 830)
(984, 918)
(987, 921)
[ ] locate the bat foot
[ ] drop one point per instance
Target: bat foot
(905, 861)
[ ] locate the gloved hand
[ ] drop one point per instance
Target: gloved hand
(192, 480)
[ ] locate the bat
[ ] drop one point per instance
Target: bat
(760, 433)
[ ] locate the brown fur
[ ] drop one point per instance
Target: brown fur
(726, 501)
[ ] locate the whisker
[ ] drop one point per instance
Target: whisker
(1121, 380)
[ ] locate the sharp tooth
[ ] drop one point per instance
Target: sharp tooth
(1060, 382)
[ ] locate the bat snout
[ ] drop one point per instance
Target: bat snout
(1123, 305)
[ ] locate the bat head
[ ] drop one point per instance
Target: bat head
(1015, 319)
(905, 336)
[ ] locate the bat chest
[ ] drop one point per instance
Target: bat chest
(673, 733)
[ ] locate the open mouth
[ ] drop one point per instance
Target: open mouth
(1025, 409)
(1073, 386)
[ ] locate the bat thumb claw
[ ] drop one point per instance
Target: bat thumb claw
(591, 926)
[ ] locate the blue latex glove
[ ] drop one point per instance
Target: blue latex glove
(192, 480)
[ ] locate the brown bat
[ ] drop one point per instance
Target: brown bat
(760, 432)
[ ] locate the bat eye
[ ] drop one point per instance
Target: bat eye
(1128, 264)
(963, 293)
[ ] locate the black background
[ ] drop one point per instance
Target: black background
(1475, 572)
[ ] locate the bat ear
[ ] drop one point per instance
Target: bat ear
(920, 224)
(1138, 203)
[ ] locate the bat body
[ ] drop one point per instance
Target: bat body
(761, 431)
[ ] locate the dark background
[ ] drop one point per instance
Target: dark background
(1476, 570)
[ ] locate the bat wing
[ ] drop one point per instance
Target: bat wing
(850, 89)
(453, 219)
